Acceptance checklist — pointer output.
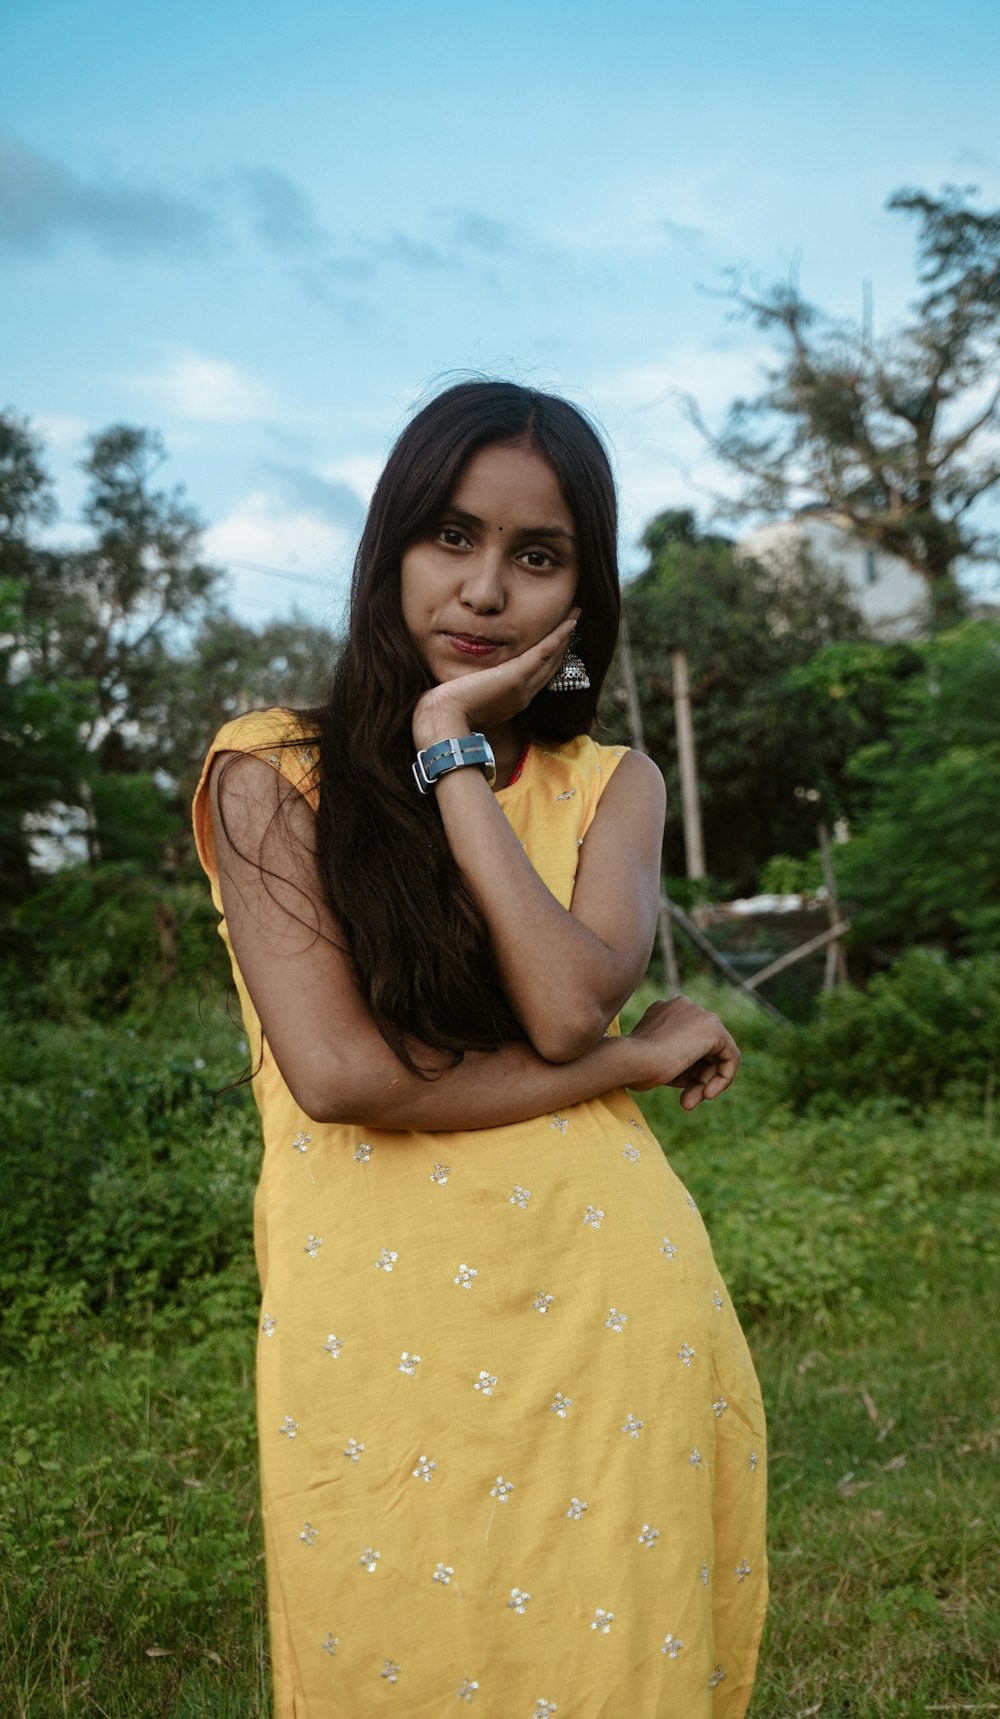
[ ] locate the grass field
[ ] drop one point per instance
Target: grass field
(862, 1249)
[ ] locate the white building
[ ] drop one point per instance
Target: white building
(889, 593)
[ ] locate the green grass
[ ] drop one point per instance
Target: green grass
(860, 1244)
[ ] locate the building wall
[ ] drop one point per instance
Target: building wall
(887, 591)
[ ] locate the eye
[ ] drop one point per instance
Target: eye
(539, 560)
(452, 536)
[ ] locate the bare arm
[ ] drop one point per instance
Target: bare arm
(334, 1060)
(566, 972)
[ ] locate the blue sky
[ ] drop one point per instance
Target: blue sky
(267, 230)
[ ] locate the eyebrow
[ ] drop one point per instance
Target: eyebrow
(548, 531)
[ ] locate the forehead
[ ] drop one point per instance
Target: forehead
(511, 485)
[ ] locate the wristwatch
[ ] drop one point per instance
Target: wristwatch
(436, 761)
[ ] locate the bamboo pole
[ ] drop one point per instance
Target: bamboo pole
(836, 960)
(718, 960)
(694, 844)
(825, 939)
(668, 950)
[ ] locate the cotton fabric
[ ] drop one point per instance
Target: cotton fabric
(511, 1441)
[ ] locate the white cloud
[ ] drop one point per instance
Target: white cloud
(279, 557)
(208, 390)
(361, 471)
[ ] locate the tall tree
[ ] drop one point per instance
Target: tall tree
(746, 629)
(895, 435)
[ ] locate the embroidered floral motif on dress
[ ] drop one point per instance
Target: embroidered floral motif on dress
(363, 1152)
(542, 1302)
(424, 1469)
(466, 1276)
(369, 1559)
(331, 1644)
(667, 1247)
(386, 1259)
(309, 1534)
(333, 1345)
(603, 1620)
(440, 1174)
(518, 1601)
(594, 1216)
(648, 1536)
(703, 1574)
(353, 1449)
(560, 1124)
(313, 1245)
(633, 1426)
(718, 1676)
(561, 1405)
(408, 1363)
(288, 1427)
(487, 1383)
(268, 1325)
(520, 1197)
(695, 1459)
(501, 1489)
(719, 1407)
(686, 1354)
(443, 1574)
(391, 1670)
(577, 1506)
(632, 1153)
(467, 1689)
(672, 1645)
(616, 1321)
(301, 1141)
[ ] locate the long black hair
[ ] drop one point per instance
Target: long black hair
(421, 952)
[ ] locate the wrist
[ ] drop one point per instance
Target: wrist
(439, 721)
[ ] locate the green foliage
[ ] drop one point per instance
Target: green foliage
(746, 629)
(924, 861)
(95, 938)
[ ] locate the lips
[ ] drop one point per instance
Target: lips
(474, 644)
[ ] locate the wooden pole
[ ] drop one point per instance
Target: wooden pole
(694, 845)
(825, 939)
(665, 930)
(718, 960)
(835, 972)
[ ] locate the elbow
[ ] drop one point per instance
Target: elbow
(565, 1038)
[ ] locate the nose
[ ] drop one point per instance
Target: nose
(483, 590)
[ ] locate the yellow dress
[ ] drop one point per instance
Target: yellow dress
(511, 1441)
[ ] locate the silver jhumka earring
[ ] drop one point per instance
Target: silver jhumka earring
(572, 676)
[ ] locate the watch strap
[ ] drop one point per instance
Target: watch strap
(453, 754)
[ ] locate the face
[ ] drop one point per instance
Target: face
(497, 571)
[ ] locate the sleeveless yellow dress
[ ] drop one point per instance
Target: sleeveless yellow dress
(511, 1441)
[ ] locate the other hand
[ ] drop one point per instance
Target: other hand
(688, 1048)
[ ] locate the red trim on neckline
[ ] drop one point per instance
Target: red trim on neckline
(519, 766)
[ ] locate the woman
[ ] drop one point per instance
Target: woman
(511, 1440)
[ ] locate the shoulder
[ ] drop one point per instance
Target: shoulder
(583, 763)
(277, 737)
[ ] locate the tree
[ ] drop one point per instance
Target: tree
(746, 629)
(894, 435)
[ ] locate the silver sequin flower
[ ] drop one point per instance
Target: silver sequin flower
(717, 1301)
(518, 1601)
(273, 758)
(353, 1449)
(424, 1469)
(648, 1536)
(560, 1124)
(686, 1354)
(603, 1620)
(269, 1325)
(301, 1141)
(703, 1574)
(387, 1258)
(754, 1459)
(542, 1302)
(443, 1574)
(544, 1709)
(304, 754)
(742, 1570)
(440, 1174)
(313, 1245)
(631, 1152)
(465, 1276)
(333, 1345)
(369, 1559)
(616, 1321)
(567, 794)
(718, 1676)
(634, 1122)
(695, 1459)
(487, 1383)
(692, 1202)
(561, 1405)
(467, 1689)
(408, 1363)
(309, 1534)
(668, 1247)
(391, 1670)
(672, 1645)
(288, 1427)
(577, 1506)
(363, 1152)
(520, 1196)
(633, 1426)
(331, 1644)
(594, 1216)
(719, 1407)
(501, 1489)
